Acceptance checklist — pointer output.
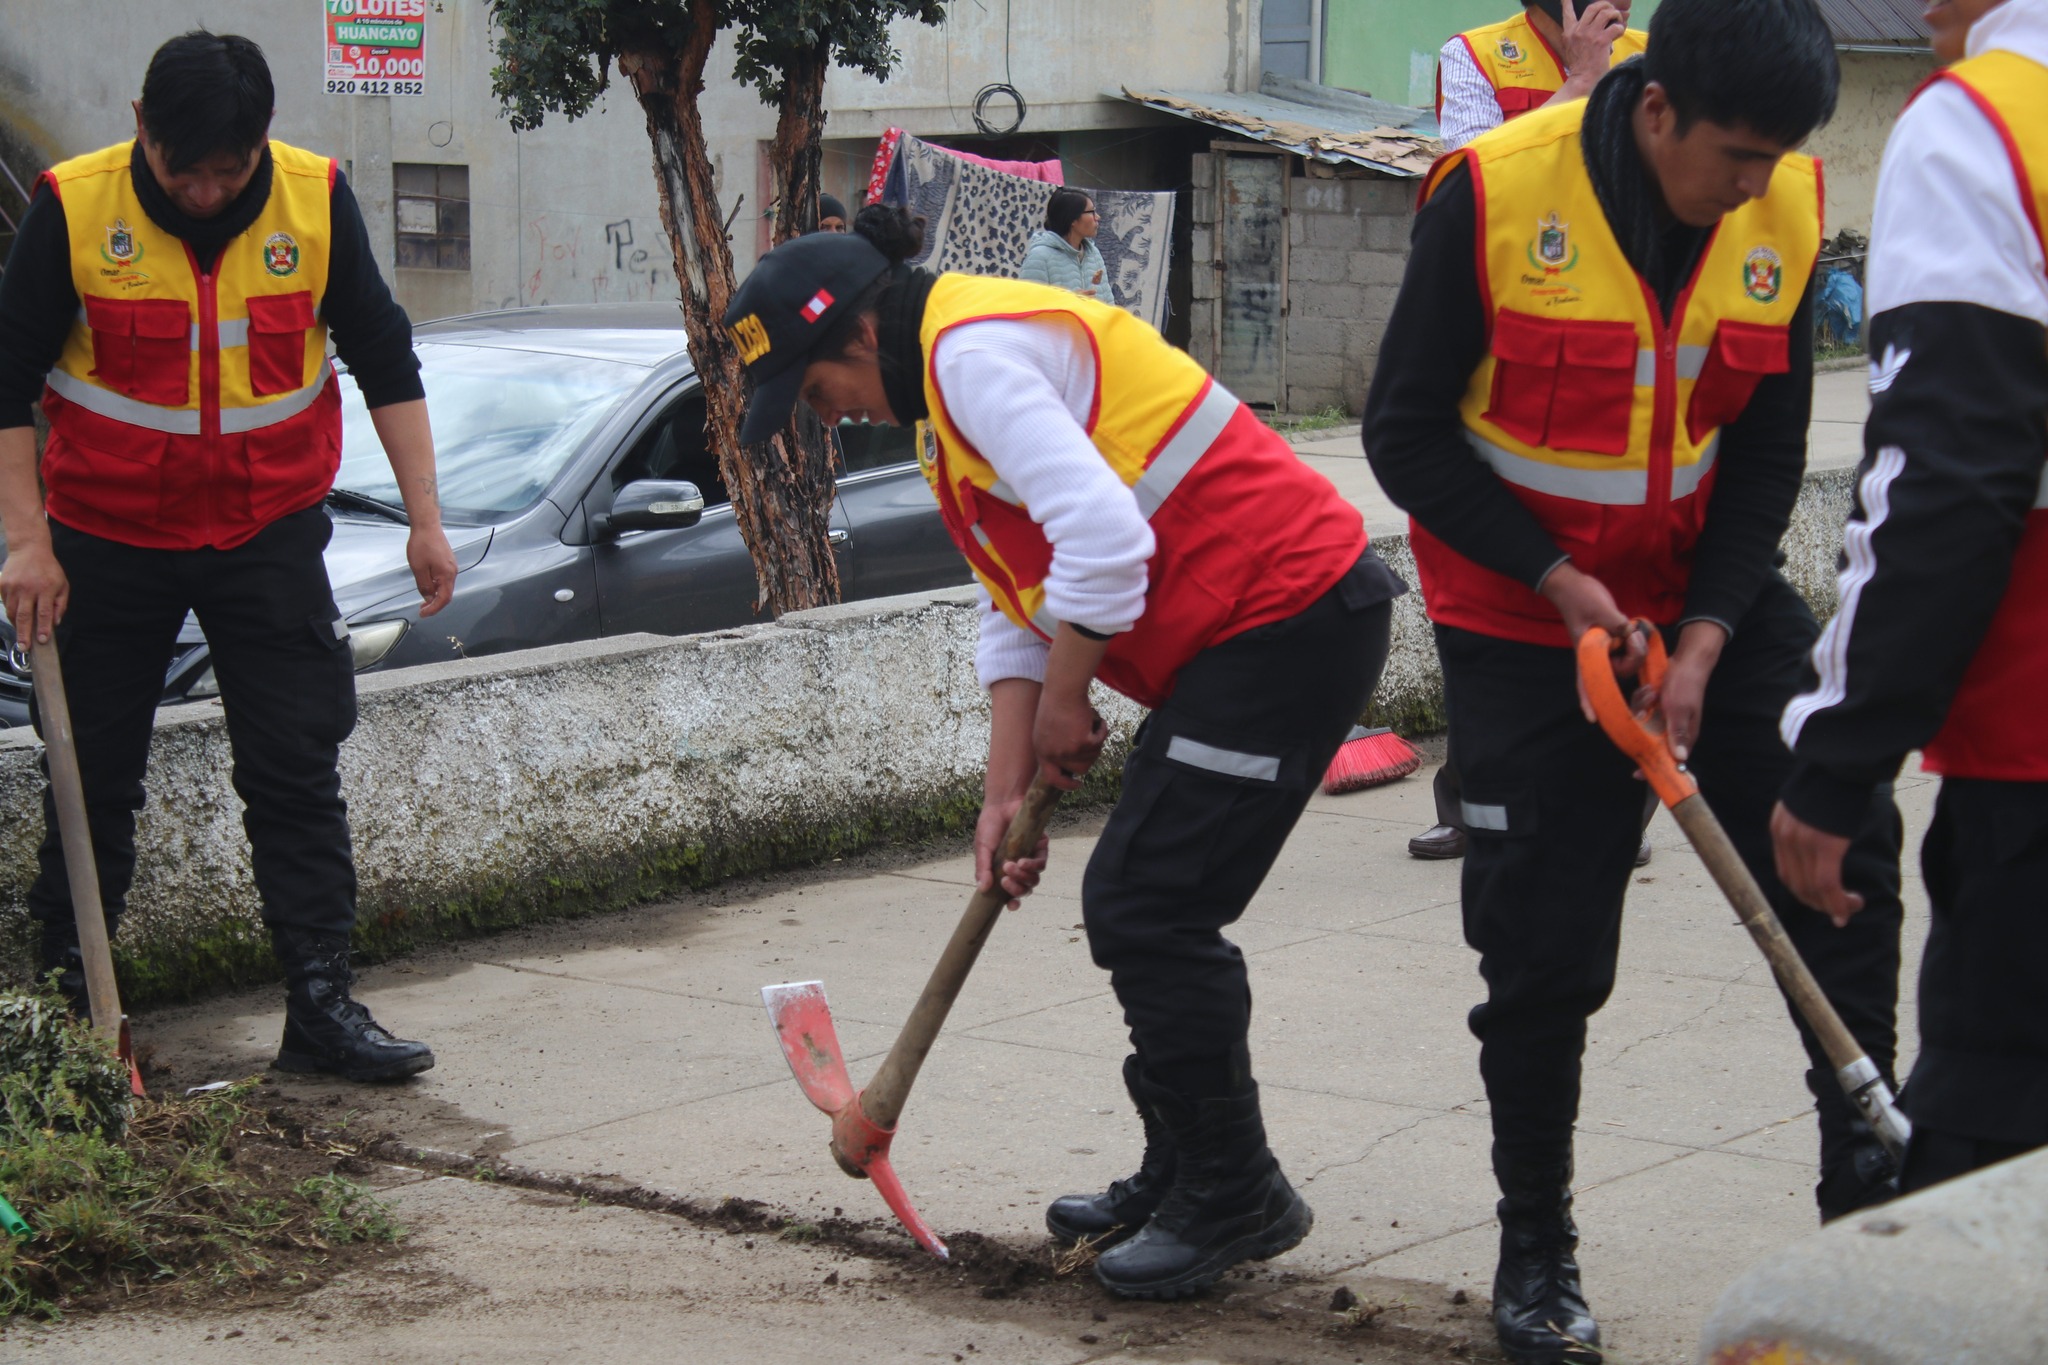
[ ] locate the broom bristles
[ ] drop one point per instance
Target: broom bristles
(1369, 758)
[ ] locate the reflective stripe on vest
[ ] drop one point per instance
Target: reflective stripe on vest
(183, 421)
(1204, 423)
(1606, 487)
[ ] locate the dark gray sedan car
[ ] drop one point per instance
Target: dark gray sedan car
(563, 436)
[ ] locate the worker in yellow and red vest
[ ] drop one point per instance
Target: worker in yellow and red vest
(1128, 520)
(1593, 398)
(1939, 644)
(1549, 53)
(169, 299)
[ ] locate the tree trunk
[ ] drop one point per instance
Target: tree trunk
(795, 159)
(782, 517)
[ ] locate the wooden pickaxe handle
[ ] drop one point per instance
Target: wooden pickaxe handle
(61, 750)
(884, 1097)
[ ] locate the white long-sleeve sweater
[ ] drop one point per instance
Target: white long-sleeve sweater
(1020, 392)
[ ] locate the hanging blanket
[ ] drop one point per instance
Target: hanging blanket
(979, 221)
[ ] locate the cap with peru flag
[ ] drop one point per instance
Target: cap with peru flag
(789, 302)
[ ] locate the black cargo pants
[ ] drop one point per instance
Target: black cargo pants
(1979, 1089)
(280, 653)
(1555, 817)
(1214, 785)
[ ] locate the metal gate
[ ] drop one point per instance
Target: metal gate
(1251, 250)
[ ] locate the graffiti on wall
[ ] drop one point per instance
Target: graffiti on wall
(585, 258)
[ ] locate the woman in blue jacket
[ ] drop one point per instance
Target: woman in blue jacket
(1063, 252)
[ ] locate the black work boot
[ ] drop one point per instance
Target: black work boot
(1126, 1205)
(1539, 1310)
(60, 954)
(324, 1029)
(1856, 1172)
(1228, 1202)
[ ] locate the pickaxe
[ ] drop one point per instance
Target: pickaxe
(103, 996)
(1641, 736)
(864, 1122)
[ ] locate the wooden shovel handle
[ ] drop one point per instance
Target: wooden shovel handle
(1721, 859)
(54, 710)
(883, 1100)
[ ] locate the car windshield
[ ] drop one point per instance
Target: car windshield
(505, 422)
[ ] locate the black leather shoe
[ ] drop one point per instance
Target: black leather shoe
(1856, 1172)
(1643, 852)
(1539, 1308)
(1229, 1203)
(1437, 842)
(325, 1030)
(1124, 1207)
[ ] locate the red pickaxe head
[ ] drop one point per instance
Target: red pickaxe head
(803, 1025)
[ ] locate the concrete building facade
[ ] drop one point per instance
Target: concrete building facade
(567, 213)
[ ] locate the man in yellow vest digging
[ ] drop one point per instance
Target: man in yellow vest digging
(1550, 53)
(1593, 399)
(169, 300)
(1939, 644)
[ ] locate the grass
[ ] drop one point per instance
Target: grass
(196, 1194)
(1321, 420)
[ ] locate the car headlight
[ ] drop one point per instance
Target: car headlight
(203, 686)
(370, 642)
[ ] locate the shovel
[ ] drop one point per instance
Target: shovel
(864, 1122)
(101, 993)
(1641, 736)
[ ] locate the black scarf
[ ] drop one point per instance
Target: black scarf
(1662, 250)
(207, 237)
(899, 315)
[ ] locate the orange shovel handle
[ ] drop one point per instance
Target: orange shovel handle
(1639, 734)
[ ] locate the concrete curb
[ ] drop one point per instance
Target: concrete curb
(1956, 1274)
(553, 782)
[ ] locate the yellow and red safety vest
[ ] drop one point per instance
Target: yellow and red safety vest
(1245, 533)
(191, 407)
(1521, 65)
(1994, 728)
(1602, 416)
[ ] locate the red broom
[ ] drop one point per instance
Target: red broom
(1368, 758)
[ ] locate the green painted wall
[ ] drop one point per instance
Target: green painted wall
(1388, 47)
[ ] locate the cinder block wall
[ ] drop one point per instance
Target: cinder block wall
(1347, 243)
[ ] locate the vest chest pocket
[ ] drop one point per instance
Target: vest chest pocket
(142, 348)
(278, 324)
(1563, 385)
(1742, 354)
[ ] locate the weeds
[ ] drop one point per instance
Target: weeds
(128, 1198)
(1321, 420)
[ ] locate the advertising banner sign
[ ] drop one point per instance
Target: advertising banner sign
(376, 47)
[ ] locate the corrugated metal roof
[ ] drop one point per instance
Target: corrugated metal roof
(1341, 127)
(1889, 22)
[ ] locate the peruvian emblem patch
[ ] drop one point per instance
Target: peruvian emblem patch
(281, 254)
(1763, 275)
(121, 247)
(1510, 51)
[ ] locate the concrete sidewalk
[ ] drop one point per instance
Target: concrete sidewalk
(635, 1045)
(1841, 402)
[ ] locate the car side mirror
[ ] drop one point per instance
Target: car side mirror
(654, 505)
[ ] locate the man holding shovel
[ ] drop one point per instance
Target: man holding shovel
(1593, 399)
(169, 299)
(1940, 644)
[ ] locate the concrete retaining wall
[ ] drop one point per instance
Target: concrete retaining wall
(493, 791)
